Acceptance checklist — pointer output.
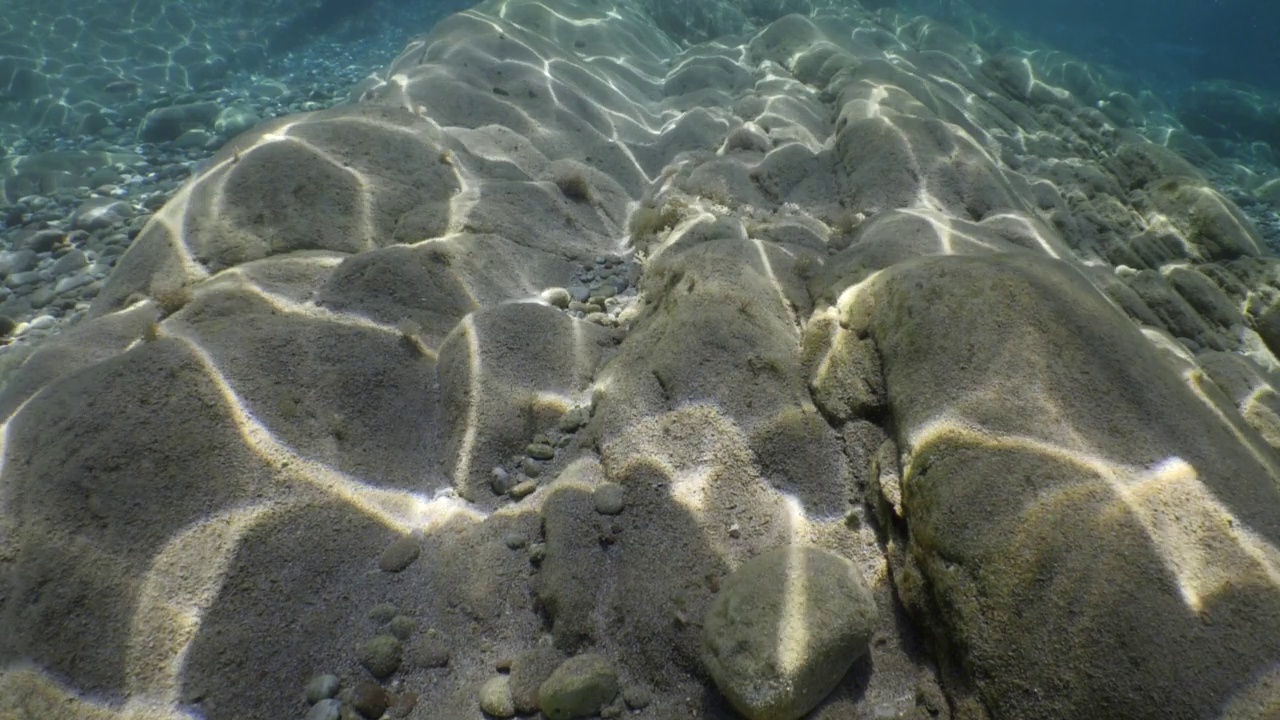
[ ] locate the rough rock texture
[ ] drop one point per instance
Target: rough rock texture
(858, 284)
(784, 630)
(579, 688)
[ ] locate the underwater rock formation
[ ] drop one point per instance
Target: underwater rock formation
(514, 361)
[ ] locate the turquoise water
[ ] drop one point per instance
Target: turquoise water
(654, 359)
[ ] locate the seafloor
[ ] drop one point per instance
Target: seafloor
(480, 386)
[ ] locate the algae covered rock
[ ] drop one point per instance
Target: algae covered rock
(785, 629)
(578, 688)
(495, 697)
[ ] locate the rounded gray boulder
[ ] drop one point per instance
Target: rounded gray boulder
(784, 629)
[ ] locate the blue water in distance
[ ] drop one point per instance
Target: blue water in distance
(1167, 42)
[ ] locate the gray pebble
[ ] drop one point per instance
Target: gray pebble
(609, 498)
(72, 282)
(400, 554)
(537, 553)
(579, 293)
(70, 262)
(328, 709)
(41, 297)
(19, 279)
(515, 540)
(499, 481)
(322, 687)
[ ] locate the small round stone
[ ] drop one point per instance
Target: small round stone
(381, 656)
(402, 627)
(580, 687)
(369, 699)
(382, 613)
(328, 709)
(499, 480)
(400, 554)
(322, 687)
(537, 553)
(558, 297)
(515, 540)
(495, 697)
(609, 498)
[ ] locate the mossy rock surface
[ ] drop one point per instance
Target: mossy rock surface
(784, 629)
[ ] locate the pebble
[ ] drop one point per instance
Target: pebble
(402, 627)
(523, 489)
(499, 481)
(529, 670)
(609, 498)
(369, 699)
(558, 297)
(322, 687)
(381, 656)
(495, 697)
(540, 451)
(580, 687)
(400, 554)
(382, 613)
(110, 204)
(329, 709)
(537, 552)
(515, 540)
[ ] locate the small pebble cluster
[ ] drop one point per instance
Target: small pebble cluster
(599, 293)
(539, 680)
(519, 477)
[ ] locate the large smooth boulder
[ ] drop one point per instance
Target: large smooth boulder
(785, 629)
